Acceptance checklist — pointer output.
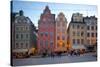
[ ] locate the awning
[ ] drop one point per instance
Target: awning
(20, 50)
(60, 49)
(78, 47)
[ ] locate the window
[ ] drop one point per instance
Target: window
(21, 28)
(88, 34)
(73, 33)
(63, 30)
(73, 41)
(17, 28)
(58, 45)
(78, 33)
(17, 36)
(58, 30)
(92, 27)
(82, 27)
(17, 45)
(41, 42)
(21, 45)
(51, 43)
(96, 34)
(96, 28)
(58, 24)
(88, 41)
(73, 26)
(21, 36)
(26, 35)
(46, 33)
(82, 41)
(78, 41)
(26, 28)
(58, 38)
(19, 21)
(92, 41)
(51, 34)
(88, 27)
(41, 34)
(82, 33)
(26, 45)
(78, 26)
(63, 37)
(92, 34)
(63, 24)
(61, 19)
(46, 42)
(63, 45)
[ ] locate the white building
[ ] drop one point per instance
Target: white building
(77, 32)
(23, 34)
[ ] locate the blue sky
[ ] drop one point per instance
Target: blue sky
(33, 9)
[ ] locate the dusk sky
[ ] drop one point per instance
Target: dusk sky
(33, 9)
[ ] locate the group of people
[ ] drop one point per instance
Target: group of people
(68, 53)
(74, 52)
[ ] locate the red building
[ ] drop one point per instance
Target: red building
(46, 31)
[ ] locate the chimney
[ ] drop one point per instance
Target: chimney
(21, 13)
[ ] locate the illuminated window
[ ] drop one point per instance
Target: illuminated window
(63, 45)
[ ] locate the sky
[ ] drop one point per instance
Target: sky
(33, 9)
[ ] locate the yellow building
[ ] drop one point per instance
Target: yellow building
(61, 33)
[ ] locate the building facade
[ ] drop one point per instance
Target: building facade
(23, 34)
(61, 33)
(46, 31)
(77, 32)
(91, 24)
